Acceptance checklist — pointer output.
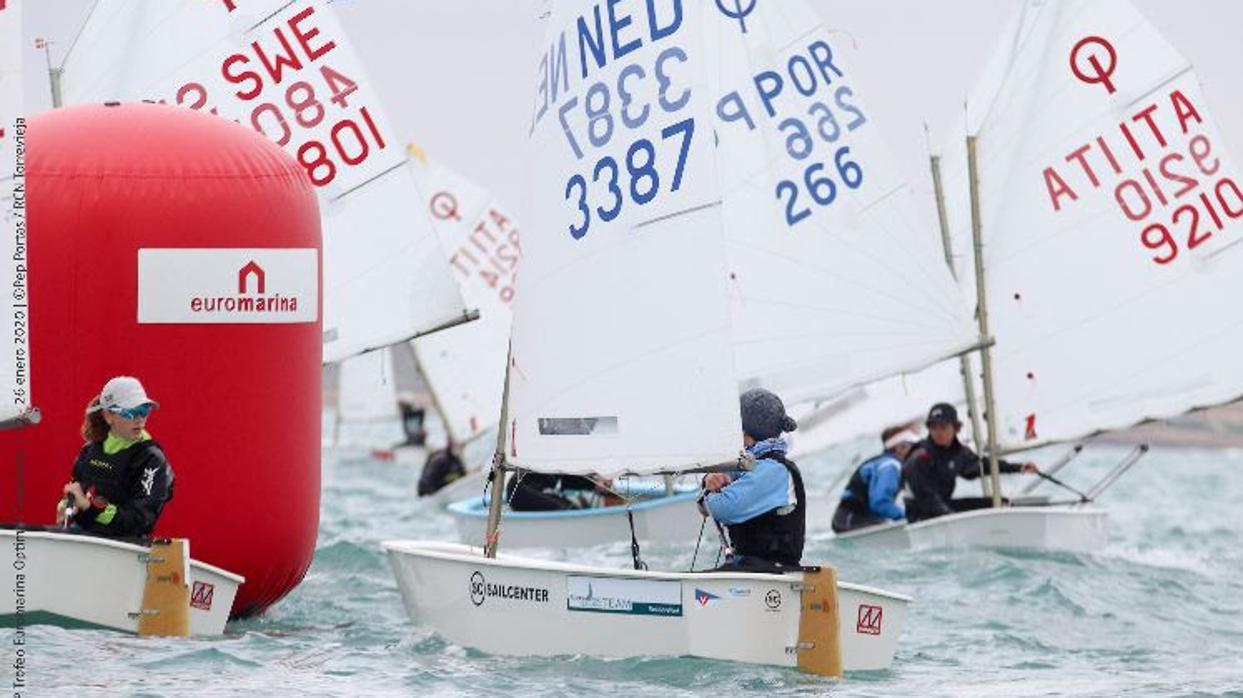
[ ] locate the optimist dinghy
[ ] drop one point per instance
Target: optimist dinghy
(1102, 197)
(623, 339)
(82, 581)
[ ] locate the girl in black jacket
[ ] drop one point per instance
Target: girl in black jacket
(121, 479)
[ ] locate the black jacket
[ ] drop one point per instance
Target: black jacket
(930, 473)
(441, 468)
(137, 480)
(772, 537)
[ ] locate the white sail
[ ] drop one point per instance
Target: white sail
(15, 357)
(836, 281)
(1111, 217)
(622, 357)
(367, 388)
(286, 68)
(867, 410)
(465, 368)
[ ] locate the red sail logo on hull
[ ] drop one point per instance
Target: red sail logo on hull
(869, 620)
(200, 596)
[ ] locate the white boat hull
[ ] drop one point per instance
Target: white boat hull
(518, 606)
(88, 581)
(1080, 530)
(661, 519)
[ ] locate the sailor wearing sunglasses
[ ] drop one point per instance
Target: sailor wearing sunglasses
(121, 479)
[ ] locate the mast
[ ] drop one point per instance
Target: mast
(53, 73)
(440, 411)
(964, 360)
(986, 353)
(491, 536)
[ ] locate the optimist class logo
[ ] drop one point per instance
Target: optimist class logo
(703, 598)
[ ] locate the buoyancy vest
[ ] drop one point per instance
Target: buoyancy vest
(773, 536)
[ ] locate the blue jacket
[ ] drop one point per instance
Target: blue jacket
(752, 493)
(876, 484)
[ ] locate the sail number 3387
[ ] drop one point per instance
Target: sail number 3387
(611, 109)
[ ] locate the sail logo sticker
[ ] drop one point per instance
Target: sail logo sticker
(773, 600)
(481, 590)
(1100, 75)
(703, 598)
(228, 286)
(639, 597)
(869, 620)
(201, 595)
(739, 11)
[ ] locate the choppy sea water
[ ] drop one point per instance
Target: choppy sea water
(1158, 612)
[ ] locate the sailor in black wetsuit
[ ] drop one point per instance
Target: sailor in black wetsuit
(442, 467)
(528, 491)
(934, 465)
(121, 479)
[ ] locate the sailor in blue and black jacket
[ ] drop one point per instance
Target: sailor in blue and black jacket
(763, 509)
(871, 494)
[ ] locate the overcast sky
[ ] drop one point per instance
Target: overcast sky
(457, 76)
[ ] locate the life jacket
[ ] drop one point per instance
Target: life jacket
(772, 536)
(857, 497)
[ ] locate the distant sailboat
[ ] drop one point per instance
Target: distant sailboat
(1108, 214)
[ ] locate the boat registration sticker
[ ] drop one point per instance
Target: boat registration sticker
(200, 595)
(618, 595)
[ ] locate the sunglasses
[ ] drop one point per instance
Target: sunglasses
(135, 412)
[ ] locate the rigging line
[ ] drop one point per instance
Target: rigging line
(369, 180)
(263, 21)
(81, 31)
(675, 214)
(703, 524)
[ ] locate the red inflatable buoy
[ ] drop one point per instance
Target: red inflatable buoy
(183, 249)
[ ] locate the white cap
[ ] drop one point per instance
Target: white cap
(908, 436)
(123, 393)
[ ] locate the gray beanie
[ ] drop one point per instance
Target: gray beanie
(763, 415)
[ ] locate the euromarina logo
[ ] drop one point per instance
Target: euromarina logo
(219, 286)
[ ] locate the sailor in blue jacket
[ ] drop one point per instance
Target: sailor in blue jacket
(764, 509)
(871, 494)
